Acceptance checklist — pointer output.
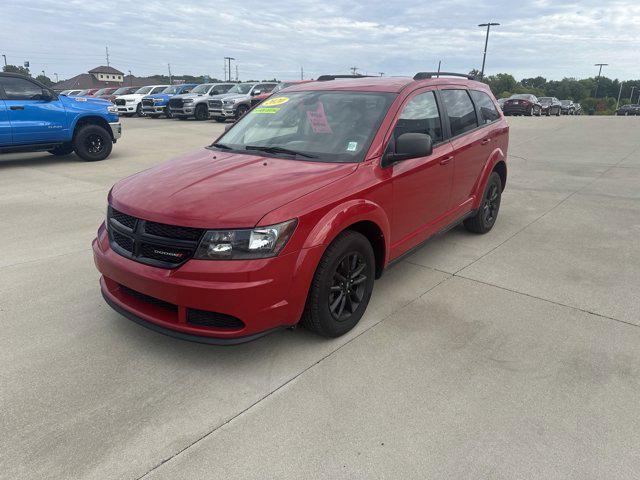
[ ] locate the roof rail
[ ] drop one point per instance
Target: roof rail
(324, 78)
(426, 75)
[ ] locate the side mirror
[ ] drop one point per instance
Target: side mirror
(46, 95)
(256, 92)
(410, 145)
(214, 92)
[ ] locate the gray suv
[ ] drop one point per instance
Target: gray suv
(237, 101)
(194, 104)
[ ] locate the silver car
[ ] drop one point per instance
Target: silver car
(194, 104)
(237, 101)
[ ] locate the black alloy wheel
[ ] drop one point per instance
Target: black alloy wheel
(348, 287)
(485, 217)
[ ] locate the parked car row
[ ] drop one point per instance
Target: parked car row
(626, 110)
(530, 105)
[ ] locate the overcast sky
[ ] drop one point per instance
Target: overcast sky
(553, 38)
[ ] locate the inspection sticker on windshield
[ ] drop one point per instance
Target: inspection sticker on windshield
(272, 102)
(266, 110)
(352, 146)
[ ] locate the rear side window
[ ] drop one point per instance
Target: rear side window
(488, 111)
(20, 89)
(420, 115)
(462, 113)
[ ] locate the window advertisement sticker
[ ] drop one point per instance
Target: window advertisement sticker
(270, 110)
(318, 120)
(273, 102)
(352, 146)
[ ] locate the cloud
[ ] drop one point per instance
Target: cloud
(274, 39)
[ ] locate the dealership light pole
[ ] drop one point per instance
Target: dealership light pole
(486, 44)
(5, 60)
(228, 59)
(619, 94)
(130, 79)
(631, 96)
(599, 74)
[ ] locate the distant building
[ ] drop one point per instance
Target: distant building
(101, 77)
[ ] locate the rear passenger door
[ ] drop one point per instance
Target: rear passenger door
(468, 142)
(421, 186)
(5, 125)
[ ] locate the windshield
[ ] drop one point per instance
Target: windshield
(523, 96)
(202, 88)
(144, 90)
(242, 88)
(173, 89)
(566, 102)
(100, 92)
(328, 126)
(545, 99)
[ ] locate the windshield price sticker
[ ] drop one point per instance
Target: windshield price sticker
(318, 120)
(266, 110)
(272, 102)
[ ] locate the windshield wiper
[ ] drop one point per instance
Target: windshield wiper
(221, 146)
(279, 150)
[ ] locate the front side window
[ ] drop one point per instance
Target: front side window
(488, 111)
(143, 91)
(242, 88)
(461, 112)
(172, 90)
(20, 89)
(329, 126)
(420, 115)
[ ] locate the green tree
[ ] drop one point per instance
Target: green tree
(16, 69)
(44, 80)
(502, 82)
(535, 82)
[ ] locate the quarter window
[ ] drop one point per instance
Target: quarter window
(461, 112)
(20, 89)
(420, 115)
(488, 111)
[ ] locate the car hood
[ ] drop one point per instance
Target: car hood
(212, 189)
(159, 95)
(191, 95)
(233, 96)
(132, 96)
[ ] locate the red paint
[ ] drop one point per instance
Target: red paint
(408, 202)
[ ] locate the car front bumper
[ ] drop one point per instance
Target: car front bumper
(127, 108)
(263, 294)
(153, 110)
(183, 112)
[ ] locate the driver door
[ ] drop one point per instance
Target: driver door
(421, 186)
(33, 120)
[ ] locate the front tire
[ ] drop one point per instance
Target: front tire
(92, 143)
(202, 112)
(485, 218)
(341, 287)
(241, 111)
(139, 111)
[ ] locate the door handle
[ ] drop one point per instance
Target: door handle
(446, 160)
(16, 107)
(485, 141)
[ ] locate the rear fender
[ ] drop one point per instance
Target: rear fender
(496, 156)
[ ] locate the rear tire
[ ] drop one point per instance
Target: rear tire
(65, 149)
(485, 218)
(92, 143)
(341, 287)
(202, 112)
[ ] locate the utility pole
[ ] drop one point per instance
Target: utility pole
(56, 77)
(354, 70)
(631, 96)
(599, 74)
(381, 73)
(5, 60)
(486, 44)
(170, 77)
(228, 59)
(106, 49)
(439, 65)
(236, 71)
(130, 79)
(619, 93)
(301, 73)
(44, 74)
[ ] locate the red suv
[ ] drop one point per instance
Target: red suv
(295, 210)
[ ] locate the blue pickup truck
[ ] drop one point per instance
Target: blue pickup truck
(35, 118)
(155, 105)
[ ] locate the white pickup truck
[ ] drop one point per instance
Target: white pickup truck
(129, 105)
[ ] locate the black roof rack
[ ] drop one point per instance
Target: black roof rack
(324, 78)
(426, 75)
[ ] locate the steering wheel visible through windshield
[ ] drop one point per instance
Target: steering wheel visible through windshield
(330, 126)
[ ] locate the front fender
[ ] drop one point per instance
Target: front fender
(496, 156)
(342, 216)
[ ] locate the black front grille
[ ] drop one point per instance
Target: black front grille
(149, 299)
(217, 104)
(204, 318)
(120, 101)
(147, 102)
(176, 103)
(157, 244)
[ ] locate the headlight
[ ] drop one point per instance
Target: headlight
(229, 102)
(188, 100)
(112, 109)
(260, 242)
(157, 100)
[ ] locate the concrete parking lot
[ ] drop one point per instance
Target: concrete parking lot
(510, 355)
